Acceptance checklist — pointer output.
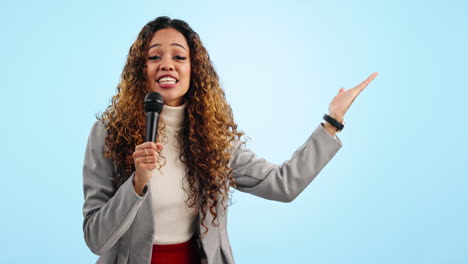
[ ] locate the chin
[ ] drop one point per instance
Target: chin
(173, 100)
(172, 96)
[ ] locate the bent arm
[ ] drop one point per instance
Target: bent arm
(283, 183)
(106, 217)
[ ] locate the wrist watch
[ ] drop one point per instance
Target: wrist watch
(339, 126)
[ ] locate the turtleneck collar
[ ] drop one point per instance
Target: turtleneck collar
(173, 116)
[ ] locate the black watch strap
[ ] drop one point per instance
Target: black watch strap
(339, 126)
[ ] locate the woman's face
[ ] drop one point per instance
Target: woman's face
(168, 66)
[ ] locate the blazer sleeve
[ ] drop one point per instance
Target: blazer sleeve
(106, 217)
(285, 182)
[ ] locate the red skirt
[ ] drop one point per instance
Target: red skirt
(183, 253)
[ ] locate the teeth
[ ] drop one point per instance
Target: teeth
(167, 80)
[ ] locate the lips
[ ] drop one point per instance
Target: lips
(167, 79)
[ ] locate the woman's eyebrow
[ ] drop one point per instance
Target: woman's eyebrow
(172, 44)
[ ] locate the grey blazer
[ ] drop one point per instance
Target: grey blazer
(120, 228)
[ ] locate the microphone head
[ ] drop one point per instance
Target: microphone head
(153, 102)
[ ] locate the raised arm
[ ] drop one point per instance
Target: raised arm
(283, 183)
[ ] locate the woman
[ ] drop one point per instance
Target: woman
(166, 201)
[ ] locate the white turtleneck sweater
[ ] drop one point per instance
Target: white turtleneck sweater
(174, 221)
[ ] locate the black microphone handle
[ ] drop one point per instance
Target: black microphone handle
(152, 119)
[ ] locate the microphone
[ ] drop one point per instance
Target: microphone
(153, 105)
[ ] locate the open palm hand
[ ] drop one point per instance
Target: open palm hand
(343, 100)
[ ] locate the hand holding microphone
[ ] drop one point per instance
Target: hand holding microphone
(146, 155)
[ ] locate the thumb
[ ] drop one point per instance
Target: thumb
(159, 146)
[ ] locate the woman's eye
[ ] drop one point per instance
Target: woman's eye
(154, 58)
(180, 58)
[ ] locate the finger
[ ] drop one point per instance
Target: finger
(358, 88)
(146, 160)
(149, 152)
(368, 80)
(149, 166)
(149, 159)
(145, 153)
(371, 78)
(148, 144)
(159, 147)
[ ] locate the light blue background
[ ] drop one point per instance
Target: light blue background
(395, 193)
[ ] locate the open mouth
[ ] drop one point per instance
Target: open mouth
(167, 79)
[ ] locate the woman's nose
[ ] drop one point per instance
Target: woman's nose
(166, 65)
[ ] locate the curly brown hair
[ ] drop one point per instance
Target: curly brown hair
(207, 133)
